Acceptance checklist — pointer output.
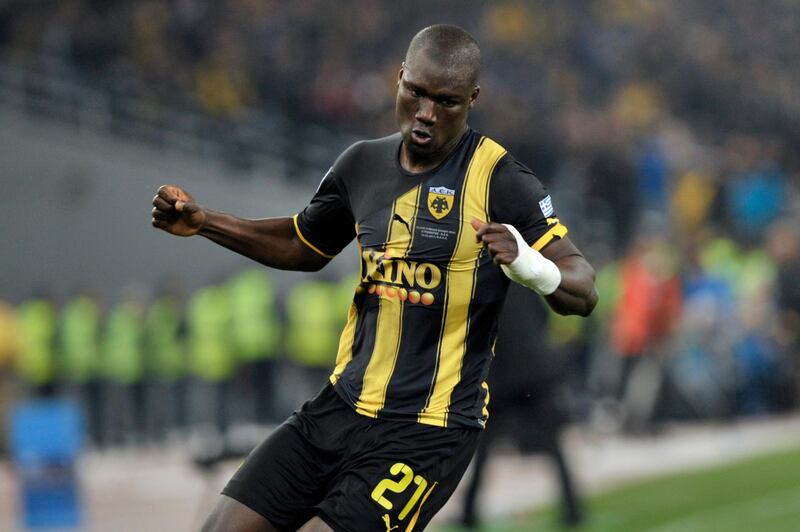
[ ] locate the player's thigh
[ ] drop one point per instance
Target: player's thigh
(282, 479)
(229, 515)
(402, 481)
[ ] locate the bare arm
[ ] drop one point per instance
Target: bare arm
(576, 294)
(271, 241)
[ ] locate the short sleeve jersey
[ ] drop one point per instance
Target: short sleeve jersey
(420, 332)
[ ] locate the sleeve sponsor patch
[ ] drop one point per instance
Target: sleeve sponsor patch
(546, 205)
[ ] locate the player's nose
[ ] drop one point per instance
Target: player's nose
(426, 112)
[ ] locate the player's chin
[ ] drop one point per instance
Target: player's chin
(422, 148)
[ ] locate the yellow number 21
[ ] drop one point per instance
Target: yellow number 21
(399, 486)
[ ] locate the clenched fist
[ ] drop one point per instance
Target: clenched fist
(175, 212)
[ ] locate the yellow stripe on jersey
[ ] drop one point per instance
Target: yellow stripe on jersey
(306, 242)
(390, 313)
(345, 352)
(556, 230)
(460, 287)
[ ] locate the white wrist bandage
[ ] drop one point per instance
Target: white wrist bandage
(531, 268)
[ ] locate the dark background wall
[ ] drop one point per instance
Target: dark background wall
(75, 211)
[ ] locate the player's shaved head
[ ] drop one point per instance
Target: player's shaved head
(451, 47)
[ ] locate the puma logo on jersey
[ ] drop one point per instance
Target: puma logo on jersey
(388, 522)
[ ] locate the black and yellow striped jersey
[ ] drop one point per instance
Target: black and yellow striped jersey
(419, 336)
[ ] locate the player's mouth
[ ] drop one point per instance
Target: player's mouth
(421, 137)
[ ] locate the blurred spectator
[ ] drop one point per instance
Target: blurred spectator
(612, 192)
(255, 332)
(165, 363)
(526, 405)
(653, 177)
(122, 366)
(36, 364)
(755, 191)
(703, 369)
(646, 318)
(313, 313)
(783, 245)
(692, 202)
(602, 379)
(762, 365)
(211, 357)
(223, 86)
(79, 360)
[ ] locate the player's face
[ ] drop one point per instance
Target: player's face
(431, 109)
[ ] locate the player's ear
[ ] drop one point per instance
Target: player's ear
(474, 96)
(400, 72)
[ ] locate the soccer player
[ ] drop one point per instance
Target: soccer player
(443, 217)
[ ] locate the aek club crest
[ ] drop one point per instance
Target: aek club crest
(440, 201)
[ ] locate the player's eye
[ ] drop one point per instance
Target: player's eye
(415, 93)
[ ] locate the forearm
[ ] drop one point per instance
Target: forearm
(271, 241)
(577, 293)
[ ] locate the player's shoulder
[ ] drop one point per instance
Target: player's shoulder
(365, 154)
(509, 168)
(507, 163)
(513, 183)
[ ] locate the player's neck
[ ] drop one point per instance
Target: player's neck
(417, 164)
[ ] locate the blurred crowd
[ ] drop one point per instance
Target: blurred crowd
(666, 131)
(156, 365)
(558, 76)
(712, 333)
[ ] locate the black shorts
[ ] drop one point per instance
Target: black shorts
(356, 473)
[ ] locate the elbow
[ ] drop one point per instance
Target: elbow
(300, 257)
(313, 263)
(589, 303)
(577, 307)
(591, 297)
(580, 301)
